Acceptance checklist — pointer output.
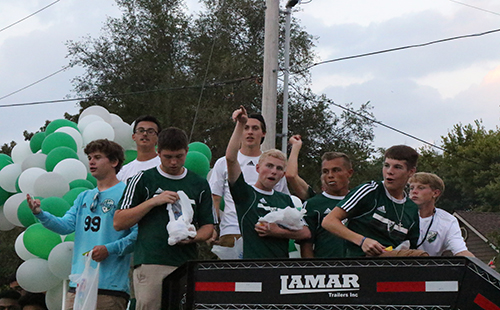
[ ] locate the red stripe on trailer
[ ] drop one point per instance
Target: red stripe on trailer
(485, 303)
(214, 286)
(400, 286)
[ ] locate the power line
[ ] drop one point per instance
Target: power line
(45, 7)
(210, 85)
(475, 7)
(398, 49)
(34, 83)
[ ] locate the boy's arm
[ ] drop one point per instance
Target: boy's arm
(233, 167)
(306, 250)
(333, 223)
(265, 229)
(126, 218)
(298, 185)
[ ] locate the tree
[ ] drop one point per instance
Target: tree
(470, 167)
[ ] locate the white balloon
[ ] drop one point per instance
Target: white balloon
(5, 224)
(75, 134)
(20, 152)
(34, 160)
(34, 276)
(96, 110)
(27, 179)
(8, 177)
(60, 259)
(71, 169)
(21, 250)
(85, 121)
(115, 118)
(51, 184)
(84, 159)
(54, 297)
(10, 208)
(123, 135)
(98, 130)
(297, 203)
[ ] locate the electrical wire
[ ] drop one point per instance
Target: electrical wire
(34, 83)
(398, 49)
(475, 7)
(25, 18)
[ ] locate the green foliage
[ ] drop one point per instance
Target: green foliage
(470, 167)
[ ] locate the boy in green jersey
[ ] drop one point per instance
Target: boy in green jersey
(336, 171)
(145, 202)
(260, 239)
(379, 213)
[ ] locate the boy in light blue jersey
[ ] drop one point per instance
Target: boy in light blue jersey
(91, 218)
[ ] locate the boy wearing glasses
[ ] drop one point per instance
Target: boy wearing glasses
(91, 218)
(145, 136)
(379, 214)
(147, 200)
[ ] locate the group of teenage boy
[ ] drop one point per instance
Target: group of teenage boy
(129, 209)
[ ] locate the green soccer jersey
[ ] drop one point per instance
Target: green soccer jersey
(326, 244)
(152, 246)
(252, 204)
(374, 213)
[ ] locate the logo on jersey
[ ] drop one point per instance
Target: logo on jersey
(432, 236)
(327, 211)
(262, 200)
(250, 163)
(158, 192)
(107, 205)
(381, 209)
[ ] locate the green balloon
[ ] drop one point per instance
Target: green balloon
(71, 195)
(4, 195)
(198, 163)
(70, 237)
(39, 241)
(58, 154)
(130, 155)
(5, 160)
(58, 139)
(58, 123)
(36, 141)
(202, 148)
(25, 215)
(91, 179)
(81, 183)
(56, 206)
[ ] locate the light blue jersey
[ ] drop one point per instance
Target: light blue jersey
(91, 218)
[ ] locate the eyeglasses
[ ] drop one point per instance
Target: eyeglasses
(94, 204)
(149, 131)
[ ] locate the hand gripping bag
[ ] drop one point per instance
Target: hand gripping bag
(86, 286)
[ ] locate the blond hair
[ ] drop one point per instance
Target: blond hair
(273, 153)
(430, 179)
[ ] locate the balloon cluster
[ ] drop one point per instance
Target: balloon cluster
(53, 168)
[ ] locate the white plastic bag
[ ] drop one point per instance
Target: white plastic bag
(181, 214)
(224, 252)
(290, 218)
(86, 286)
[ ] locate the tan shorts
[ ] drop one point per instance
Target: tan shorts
(104, 302)
(148, 280)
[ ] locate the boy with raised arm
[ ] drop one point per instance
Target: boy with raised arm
(260, 239)
(336, 170)
(380, 214)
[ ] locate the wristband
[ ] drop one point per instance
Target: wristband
(362, 241)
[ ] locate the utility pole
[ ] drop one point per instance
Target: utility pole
(270, 74)
(286, 73)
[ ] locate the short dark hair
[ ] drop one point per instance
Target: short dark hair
(334, 155)
(403, 152)
(112, 150)
(33, 299)
(172, 139)
(10, 294)
(260, 118)
(147, 118)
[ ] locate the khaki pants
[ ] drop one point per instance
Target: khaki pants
(104, 302)
(148, 280)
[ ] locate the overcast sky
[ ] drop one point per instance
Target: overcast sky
(422, 91)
